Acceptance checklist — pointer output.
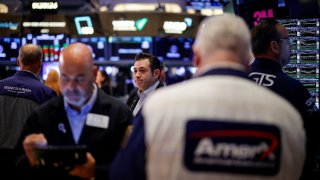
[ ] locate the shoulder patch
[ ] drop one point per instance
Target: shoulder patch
(244, 148)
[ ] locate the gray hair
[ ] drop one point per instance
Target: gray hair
(225, 31)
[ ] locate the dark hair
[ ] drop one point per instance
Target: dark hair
(104, 74)
(262, 35)
(155, 63)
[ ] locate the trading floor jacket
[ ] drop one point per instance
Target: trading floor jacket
(218, 126)
(269, 74)
(20, 94)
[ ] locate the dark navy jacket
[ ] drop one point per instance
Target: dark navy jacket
(269, 73)
(26, 85)
(19, 96)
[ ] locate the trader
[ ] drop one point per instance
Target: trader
(83, 116)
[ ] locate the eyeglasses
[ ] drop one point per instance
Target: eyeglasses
(289, 40)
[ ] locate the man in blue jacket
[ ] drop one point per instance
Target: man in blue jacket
(21, 93)
(271, 48)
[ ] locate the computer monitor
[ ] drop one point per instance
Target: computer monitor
(169, 49)
(126, 48)
(52, 44)
(98, 45)
(9, 48)
(203, 4)
(85, 25)
(47, 67)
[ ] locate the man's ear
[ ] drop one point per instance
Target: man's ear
(157, 73)
(95, 72)
(18, 61)
(274, 46)
(196, 56)
(40, 65)
(37, 67)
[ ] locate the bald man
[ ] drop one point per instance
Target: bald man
(83, 115)
(21, 93)
(219, 125)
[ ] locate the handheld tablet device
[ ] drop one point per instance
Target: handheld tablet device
(65, 157)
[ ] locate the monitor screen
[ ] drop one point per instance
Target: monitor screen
(198, 5)
(98, 45)
(173, 48)
(126, 48)
(84, 25)
(254, 11)
(47, 67)
(9, 48)
(10, 25)
(51, 44)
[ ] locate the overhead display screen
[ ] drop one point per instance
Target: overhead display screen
(126, 48)
(198, 5)
(85, 25)
(255, 10)
(98, 46)
(129, 24)
(9, 48)
(52, 45)
(10, 25)
(173, 48)
(47, 67)
(44, 24)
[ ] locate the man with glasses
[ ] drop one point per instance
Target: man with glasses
(271, 48)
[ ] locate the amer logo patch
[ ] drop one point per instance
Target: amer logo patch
(244, 148)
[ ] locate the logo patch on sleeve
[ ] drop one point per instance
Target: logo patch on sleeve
(243, 148)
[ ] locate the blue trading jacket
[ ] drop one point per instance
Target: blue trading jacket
(25, 84)
(269, 74)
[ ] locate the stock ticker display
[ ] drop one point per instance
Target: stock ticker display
(51, 44)
(304, 62)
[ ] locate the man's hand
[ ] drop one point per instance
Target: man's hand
(30, 142)
(86, 170)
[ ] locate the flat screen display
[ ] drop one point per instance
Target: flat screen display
(98, 46)
(202, 4)
(9, 48)
(47, 67)
(173, 48)
(254, 11)
(84, 25)
(126, 48)
(51, 44)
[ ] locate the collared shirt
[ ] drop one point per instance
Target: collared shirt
(77, 119)
(142, 97)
